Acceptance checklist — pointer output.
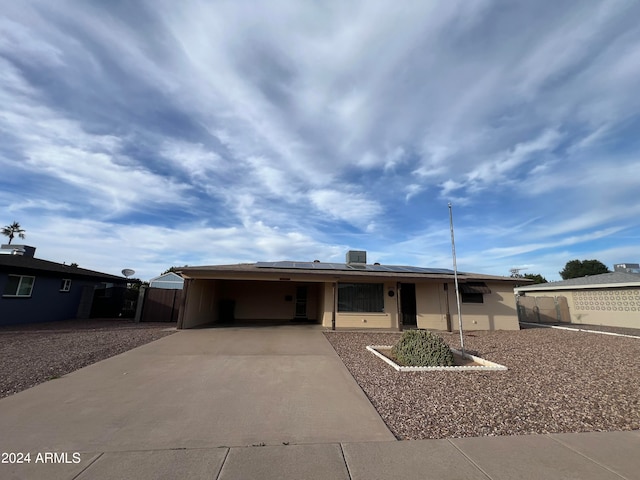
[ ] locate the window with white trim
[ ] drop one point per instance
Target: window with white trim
(65, 285)
(19, 286)
(360, 297)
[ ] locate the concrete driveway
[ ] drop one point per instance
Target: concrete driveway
(203, 388)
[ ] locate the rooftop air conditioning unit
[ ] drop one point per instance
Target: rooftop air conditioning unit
(358, 257)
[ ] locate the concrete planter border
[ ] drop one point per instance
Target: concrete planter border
(485, 365)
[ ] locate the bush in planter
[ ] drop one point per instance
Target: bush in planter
(419, 348)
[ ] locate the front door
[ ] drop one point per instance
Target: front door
(408, 304)
(301, 303)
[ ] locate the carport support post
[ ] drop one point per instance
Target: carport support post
(335, 301)
(448, 316)
(183, 304)
(399, 307)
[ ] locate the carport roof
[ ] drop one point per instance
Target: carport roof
(328, 270)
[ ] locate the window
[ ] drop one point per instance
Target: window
(471, 297)
(473, 292)
(360, 297)
(65, 285)
(19, 286)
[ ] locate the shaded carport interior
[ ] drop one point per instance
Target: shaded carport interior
(224, 301)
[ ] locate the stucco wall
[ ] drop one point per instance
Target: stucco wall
(614, 307)
(327, 304)
(201, 303)
(387, 319)
(431, 304)
(267, 300)
(498, 312)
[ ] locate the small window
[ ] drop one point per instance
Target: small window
(472, 297)
(473, 292)
(65, 285)
(19, 286)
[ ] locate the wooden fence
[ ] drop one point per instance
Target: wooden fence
(161, 305)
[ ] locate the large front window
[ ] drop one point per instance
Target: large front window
(360, 297)
(18, 286)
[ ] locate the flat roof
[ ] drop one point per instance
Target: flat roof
(332, 270)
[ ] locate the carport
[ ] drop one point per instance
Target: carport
(242, 294)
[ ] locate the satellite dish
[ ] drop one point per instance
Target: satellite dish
(127, 272)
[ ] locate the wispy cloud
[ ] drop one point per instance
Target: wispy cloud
(295, 127)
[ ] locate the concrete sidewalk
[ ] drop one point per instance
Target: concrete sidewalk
(243, 403)
(580, 456)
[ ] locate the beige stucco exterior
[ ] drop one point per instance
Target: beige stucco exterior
(202, 307)
(382, 320)
(498, 312)
(271, 296)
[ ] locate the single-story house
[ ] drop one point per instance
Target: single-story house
(610, 299)
(35, 290)
(353, 294)
(168, 281)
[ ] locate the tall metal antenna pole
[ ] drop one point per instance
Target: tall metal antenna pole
(455, 277)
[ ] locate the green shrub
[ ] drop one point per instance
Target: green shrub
(419, 348)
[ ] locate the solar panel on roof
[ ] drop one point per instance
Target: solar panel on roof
(384, 268)
(344, 266)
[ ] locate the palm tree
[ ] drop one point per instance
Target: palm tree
(11, 230)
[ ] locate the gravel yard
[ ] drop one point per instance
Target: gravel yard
(558, 381)
(35, 353)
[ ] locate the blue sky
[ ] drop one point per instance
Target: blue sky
(151, 134)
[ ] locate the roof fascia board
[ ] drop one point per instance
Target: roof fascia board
(329, 276)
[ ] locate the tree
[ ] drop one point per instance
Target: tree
(536, 277)
(135, 284)
(173, 269)
(582, 268)
(11, 231)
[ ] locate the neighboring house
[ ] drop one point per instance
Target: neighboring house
(35, 290)
(627, 267)
(169, 281)
(611, 299)
(346, 295)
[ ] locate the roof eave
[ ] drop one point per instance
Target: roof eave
(222, 271)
